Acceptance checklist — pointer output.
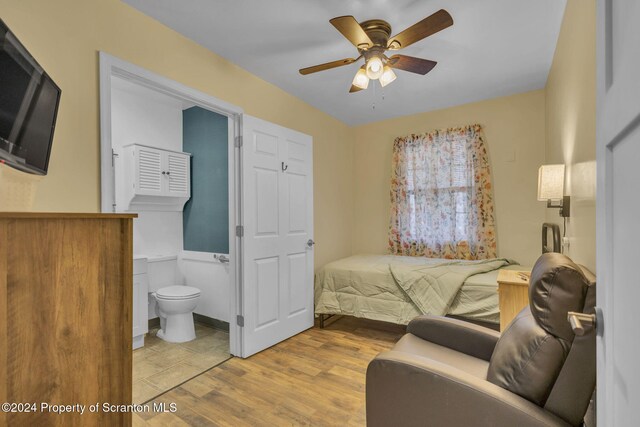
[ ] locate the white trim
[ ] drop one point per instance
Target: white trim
(235, 242)
(135, 144)
(201, 256)
(107, 183)
(111, 66)
(160, 258)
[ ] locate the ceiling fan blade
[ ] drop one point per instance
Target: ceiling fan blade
(327, 66)
(349, 27)
(411, 64)
(355, 88)
(428, 26)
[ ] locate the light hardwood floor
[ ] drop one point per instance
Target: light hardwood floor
(315, 378)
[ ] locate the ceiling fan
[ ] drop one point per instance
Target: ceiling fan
(372, 39)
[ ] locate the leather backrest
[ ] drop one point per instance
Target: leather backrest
(557, 286)
(576, 382)
(532, 350)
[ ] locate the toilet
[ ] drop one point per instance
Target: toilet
(174, 303)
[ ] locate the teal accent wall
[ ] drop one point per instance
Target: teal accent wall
(206, 214)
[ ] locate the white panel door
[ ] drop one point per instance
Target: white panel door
(277, 199)
(618, 211)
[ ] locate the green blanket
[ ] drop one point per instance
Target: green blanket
(432, 288)
(364, 286)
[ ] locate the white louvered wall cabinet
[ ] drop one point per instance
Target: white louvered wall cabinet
(153, 179)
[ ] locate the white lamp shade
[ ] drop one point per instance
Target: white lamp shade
(550, 182)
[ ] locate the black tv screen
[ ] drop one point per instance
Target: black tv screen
(28, 107)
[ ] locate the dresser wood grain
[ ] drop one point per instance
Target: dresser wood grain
(65, 315)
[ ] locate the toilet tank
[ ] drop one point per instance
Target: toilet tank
(162, 271)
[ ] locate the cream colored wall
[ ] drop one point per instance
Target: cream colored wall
(351, 165)
(571, 124)
(514, 127)
(65, 37)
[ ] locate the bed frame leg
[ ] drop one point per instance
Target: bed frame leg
(324, 318)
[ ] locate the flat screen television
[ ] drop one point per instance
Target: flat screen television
(28, 107)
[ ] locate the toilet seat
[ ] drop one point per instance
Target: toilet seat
(177, 292)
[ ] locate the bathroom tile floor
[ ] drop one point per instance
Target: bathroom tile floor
(159, 366)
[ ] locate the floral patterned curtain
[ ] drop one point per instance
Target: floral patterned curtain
(441, 196)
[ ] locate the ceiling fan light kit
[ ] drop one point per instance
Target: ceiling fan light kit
(372, 39)
(361, 80)
(387, 76)
(374, 68)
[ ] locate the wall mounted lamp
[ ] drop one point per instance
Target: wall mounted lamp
(551, 188)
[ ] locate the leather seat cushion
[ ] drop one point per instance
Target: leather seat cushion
(416, 346)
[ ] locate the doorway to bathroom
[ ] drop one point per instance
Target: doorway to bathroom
(172, 162)
(145, 168)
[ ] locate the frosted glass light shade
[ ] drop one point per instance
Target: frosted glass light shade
(361, 80)
(550, 182)
(374, 68)
(387, 76)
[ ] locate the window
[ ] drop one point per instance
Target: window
(441, 196)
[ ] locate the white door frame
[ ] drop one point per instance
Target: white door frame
(110, 66)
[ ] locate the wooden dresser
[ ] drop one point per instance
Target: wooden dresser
(65, 315)
(513, 294)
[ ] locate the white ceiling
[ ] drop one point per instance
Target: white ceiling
(494, 48)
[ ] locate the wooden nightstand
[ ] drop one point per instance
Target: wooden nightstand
(513, 294)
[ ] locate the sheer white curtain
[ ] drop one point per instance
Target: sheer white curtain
(441, 196)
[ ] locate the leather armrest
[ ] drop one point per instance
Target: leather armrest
(409, 390)
(465, 337)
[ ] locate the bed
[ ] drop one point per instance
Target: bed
(396, 289)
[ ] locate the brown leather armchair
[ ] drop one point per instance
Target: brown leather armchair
(447, 372)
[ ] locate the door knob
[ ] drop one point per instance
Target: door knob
(310, 243)
(581, 323)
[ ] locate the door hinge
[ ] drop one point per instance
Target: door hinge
(113, 156)
(238, 141)
(240, 320)
(239, 230)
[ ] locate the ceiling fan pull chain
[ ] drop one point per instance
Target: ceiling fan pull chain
(373, 106)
